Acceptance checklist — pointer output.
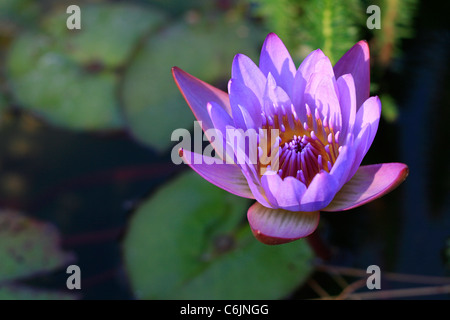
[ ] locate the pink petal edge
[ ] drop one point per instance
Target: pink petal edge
(369, 183)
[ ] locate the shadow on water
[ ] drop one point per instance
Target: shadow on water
(423, 133)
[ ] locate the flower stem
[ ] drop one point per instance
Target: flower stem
(319, 247)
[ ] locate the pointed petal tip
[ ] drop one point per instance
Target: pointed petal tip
(364, 45)
(363, 42)
(198, 93)
(356, 61)
(369, 183)
(272, 35)
(238, 56)
(319, 52)
(176, 71)
(404, 172)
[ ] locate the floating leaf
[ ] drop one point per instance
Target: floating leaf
(68, 76)
(108, 34)
(53, 86)
(153, 105)
(28, 248)
(191, 240)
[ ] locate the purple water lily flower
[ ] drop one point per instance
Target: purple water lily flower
(326, 123)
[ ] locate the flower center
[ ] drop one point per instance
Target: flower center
(301, 150)
(295, 145)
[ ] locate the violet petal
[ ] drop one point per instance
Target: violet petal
(320, 192)
(315, 62)
(320, 93)
(343, 165)
(245, 70)
(226, 176)
(369, 183)
(198, 93)
(347, 102)
(245, 105)
(356, 61)
(283, 193)
(275, 58)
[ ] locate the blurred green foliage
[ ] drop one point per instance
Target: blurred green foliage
(70, 77)
(304, 26)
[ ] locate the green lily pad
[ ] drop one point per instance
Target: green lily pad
(51, 85)
(191, 240)
(68, 77)
(153, 105)
(28, 248)
(108, 34)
